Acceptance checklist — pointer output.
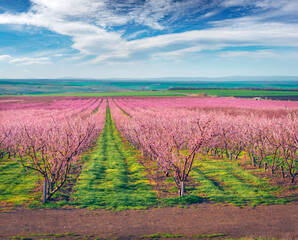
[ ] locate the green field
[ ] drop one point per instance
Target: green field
(231, 92)
(110, 94)
(168, 93)
(61, 86)
(124, 94)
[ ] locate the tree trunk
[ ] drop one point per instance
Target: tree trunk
(182, 188)
(253, 161)
(293, 176)
(283, 172)
(45, 192)
(260, 163)
(51, 185)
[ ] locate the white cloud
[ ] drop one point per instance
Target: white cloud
(5, 57)
(59, 55)
(263, 4)
(180, 54)
(230, 3)
(30, 61)
(136, 34)
(88, 24)
(152, 12)
(250, 54)
(263, 34)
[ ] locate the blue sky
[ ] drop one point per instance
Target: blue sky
(148, 38)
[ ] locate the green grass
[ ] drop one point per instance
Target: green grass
(255, 238)
(21, 237)
(73, 234)
(112, 178)
(40, 234)
(231, 92)
(163, 235)
(59, 235)
(190, 198)
(225, 181)
(169, 235)
(16, 183)
(210, 235)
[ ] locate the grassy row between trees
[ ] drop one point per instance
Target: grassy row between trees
(16, 184)
(224, 181)
(112, 178)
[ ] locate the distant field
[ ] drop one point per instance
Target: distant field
(128, 93)
(230, 92)
(168, 93)
(143, 87)
(111, 94)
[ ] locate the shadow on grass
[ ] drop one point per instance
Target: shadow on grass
(186, 200)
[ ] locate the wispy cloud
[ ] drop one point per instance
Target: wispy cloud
(30, 61)
(282, 35)
(5, 57)
(250, 54)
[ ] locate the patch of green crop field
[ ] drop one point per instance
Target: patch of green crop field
(127, 93)
(16, 183)
(110, 94)
(237, 92)
(112, 178)
(169, 93)
(225, 181)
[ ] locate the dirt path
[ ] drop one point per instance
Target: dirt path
(264, 221)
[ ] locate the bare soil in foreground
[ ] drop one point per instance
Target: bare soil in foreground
(279, 221)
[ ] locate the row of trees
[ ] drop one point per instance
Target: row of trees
(172, 137)
(50, 141)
